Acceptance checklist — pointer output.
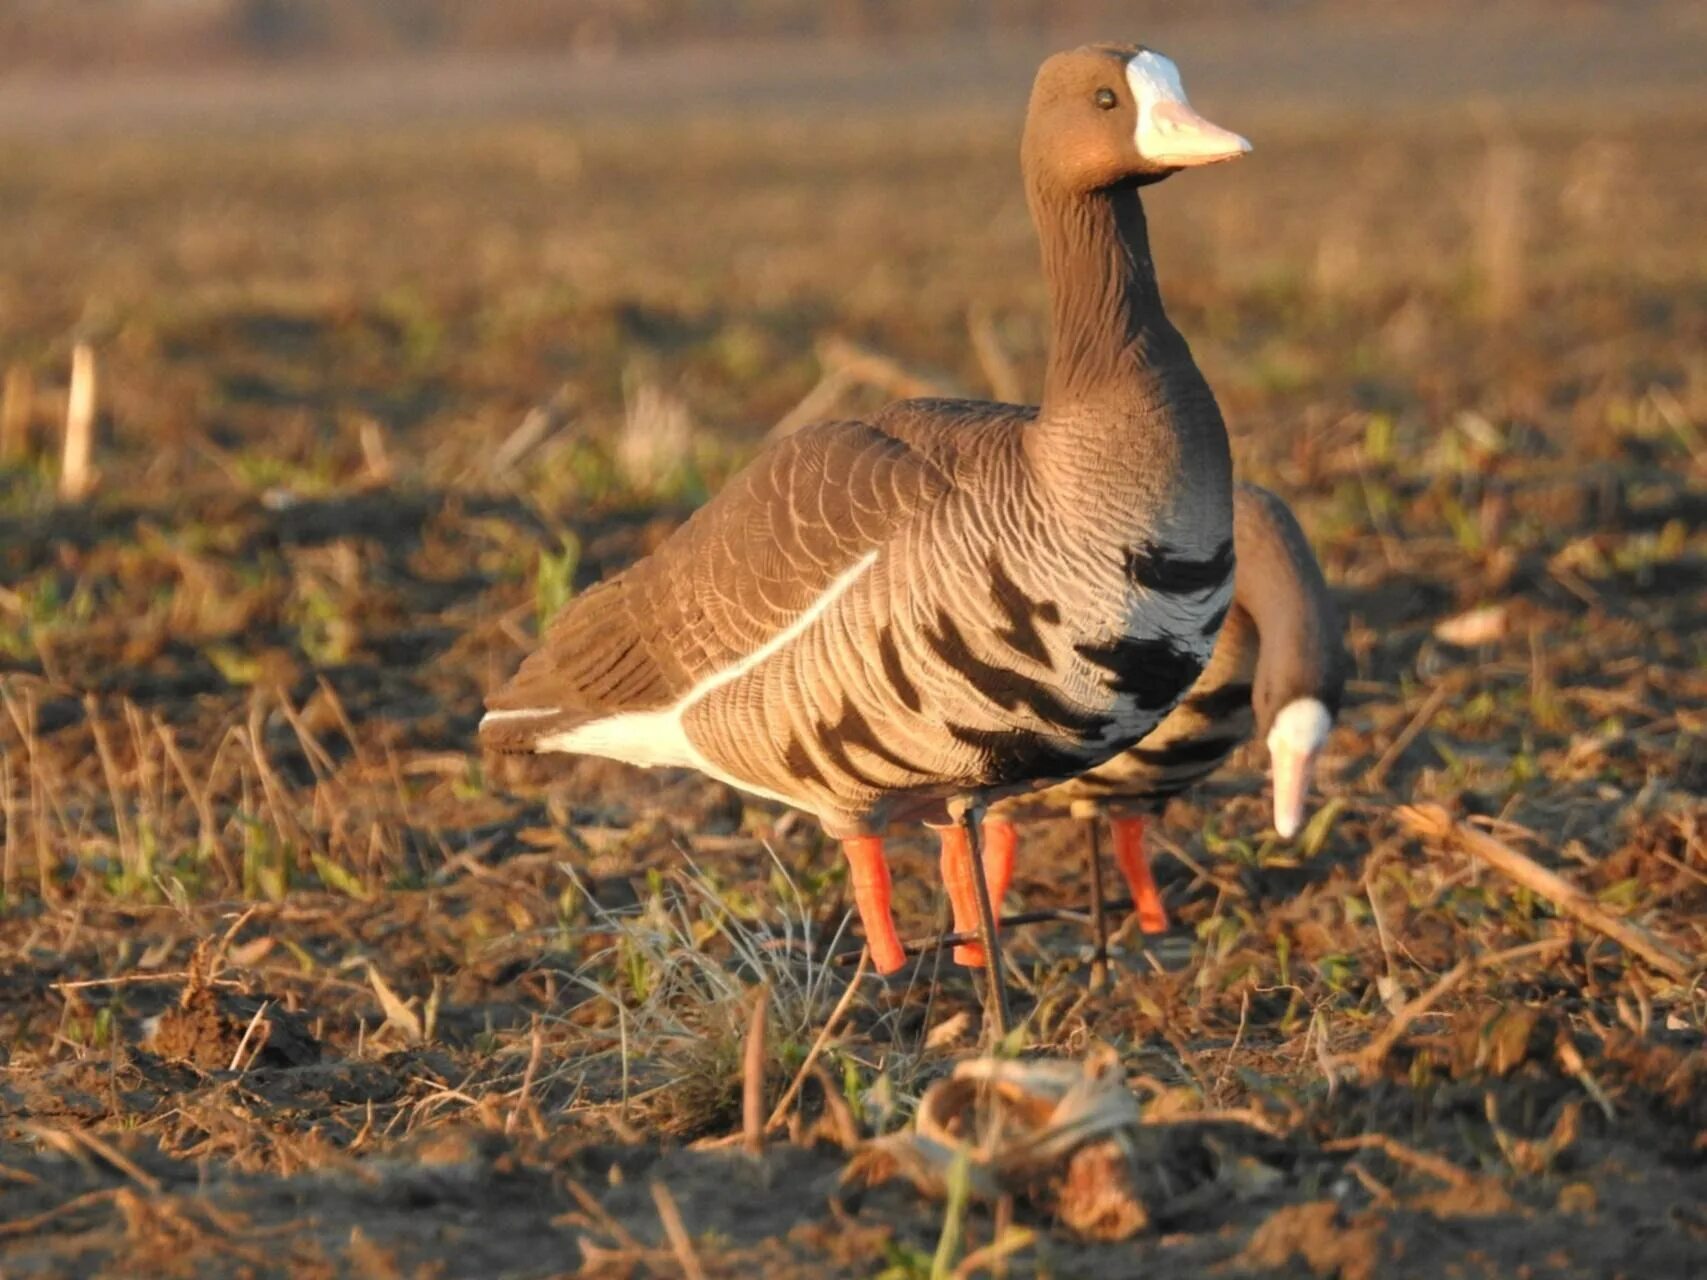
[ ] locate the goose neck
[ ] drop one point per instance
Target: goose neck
(1108, 330)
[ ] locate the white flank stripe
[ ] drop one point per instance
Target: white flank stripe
(649, 738)
(526, 713)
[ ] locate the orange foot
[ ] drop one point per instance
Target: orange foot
(1000, 840)
(869, 874)
(1129, 853)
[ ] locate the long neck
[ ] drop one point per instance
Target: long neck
(1127, 427)
(1108, 327)
(1280, 585)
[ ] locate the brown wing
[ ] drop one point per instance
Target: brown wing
(944, 430)
(745, 566)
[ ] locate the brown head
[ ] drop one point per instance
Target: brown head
(1105, 115)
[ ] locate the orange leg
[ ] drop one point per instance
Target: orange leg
(869, 875)
(1000, 839)
(962, 894)
(1129, 853)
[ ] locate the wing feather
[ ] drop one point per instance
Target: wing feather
(737, 573)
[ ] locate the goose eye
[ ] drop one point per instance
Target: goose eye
(1105, 98)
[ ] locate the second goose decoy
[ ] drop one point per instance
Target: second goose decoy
(875, 621)
(1279, 667)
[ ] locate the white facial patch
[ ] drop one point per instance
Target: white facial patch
(1301, 728)
(1169, 132)
(1153, 78)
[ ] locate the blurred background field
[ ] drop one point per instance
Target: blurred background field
(404, 321)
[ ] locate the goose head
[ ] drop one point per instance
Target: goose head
(1108, 115)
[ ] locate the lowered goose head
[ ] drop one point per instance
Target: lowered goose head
(1301, 664)
(1106, 115)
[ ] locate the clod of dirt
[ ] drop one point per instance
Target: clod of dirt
(450, 1166)
(195, 1032)
(1677, 1077)
(211, 1031)
(1314, 1234)
(1578, 1198)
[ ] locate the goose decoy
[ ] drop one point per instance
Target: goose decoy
(1279, 666)
(890, 620)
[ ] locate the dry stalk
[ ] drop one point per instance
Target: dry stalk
(537, 426)
(33, 1224)
(676, 1232)
(317, 755)
(345, 724)
(848, 364)
(815, 405)
(76, 466)
(150, 780)
(535, 1052)
(1238, 1039)
(1433, 822)
(199, 797)
(1367, 1061)
(1502, 228)
(841, 1115)
(129, 854)
(753, 1075)
(1250, 1117)
(865, 365)
(830, 1025)
(216, 960)
(17, 408)
(24, 722)
(398, 1013)
(272, 790)
(120, 980)
(377, 469)
(80, 1144)
(1418, 722)
(609, 1225)
(8, 811)
(1399, 1153)
(237, 1063)
(1379, 1191)
(995, 1254)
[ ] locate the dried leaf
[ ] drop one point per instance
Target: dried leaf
(950, 1031)
(1475, 627)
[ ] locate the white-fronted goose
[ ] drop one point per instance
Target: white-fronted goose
(955, 601)
(1279, 667)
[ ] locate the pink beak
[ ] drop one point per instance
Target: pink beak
(1175, 135)
(1293, 772)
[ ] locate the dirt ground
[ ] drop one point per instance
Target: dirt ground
(295, 983)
